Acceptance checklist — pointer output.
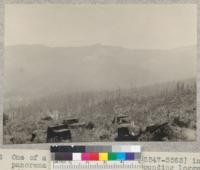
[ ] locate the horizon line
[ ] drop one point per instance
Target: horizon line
(100, 44)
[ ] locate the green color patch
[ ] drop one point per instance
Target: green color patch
(112, 156)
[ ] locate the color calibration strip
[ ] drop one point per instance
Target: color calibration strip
(104, 156)
(94, 153)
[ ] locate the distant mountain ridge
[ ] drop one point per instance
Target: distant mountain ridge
(97, 45)
(32, 70)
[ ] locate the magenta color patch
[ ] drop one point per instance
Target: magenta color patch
(85, 156)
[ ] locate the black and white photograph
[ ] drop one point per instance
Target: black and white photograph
(100, 73)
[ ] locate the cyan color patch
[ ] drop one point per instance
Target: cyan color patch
(121, 156)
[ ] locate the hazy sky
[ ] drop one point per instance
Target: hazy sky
(132, 26)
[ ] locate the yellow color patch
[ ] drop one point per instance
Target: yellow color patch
(103, 156)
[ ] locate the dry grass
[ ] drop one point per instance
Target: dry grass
(145, 106)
